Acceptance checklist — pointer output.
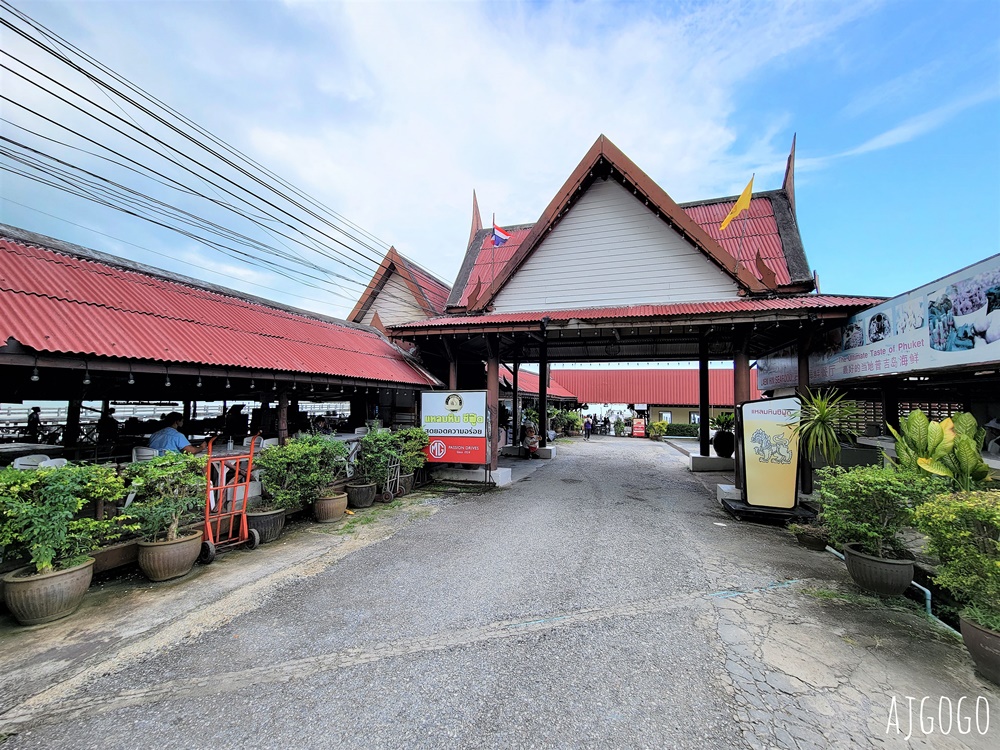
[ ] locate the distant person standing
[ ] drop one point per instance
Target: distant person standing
(107, 427)
(34, 431)
(588, 425)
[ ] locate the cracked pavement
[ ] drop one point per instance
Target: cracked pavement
(604, 601)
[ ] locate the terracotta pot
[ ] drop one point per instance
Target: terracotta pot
(984, 647)
(34, 599)
(268, 523)
(405, 484)
(161, 561)
(876, 574)
(360, 495)
(330, 507)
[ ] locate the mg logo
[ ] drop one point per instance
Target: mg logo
(437, 449)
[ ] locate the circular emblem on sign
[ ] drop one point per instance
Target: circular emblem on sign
(437, 449)
(453, 402)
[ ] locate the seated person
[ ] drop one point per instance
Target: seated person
(530, 442)
(169, 438)
(320, 426)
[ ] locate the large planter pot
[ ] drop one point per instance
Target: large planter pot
(268, 523)
(330, 507)
(876, 574)
(984, 647)
(814, 542)
(34, 599)
(405, 484)
(161, 561)
(360, 495)
(724, 444)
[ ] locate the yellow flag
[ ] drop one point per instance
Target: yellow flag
(742, 204)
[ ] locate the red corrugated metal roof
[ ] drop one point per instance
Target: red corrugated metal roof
(760, 233)
(527, 382)
(55, 302)
(684, 309)
(491, 260)
(435, 290)
(661, 387)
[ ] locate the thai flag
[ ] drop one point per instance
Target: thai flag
(499, 236)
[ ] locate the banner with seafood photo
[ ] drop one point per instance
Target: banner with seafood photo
(954, 321)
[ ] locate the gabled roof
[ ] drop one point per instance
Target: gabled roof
(59, 297)
(528, 382)
(429, 292)
(767, 259)
(663, 387)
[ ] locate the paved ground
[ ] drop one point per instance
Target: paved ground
(602, 601)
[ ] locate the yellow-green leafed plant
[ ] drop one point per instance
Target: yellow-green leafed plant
(963, 531)
(950, 448)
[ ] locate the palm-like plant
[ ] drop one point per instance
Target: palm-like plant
(821, 421)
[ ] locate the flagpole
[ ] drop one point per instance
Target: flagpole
(493, 252)
(743, 228)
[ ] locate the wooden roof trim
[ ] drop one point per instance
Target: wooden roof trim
(605, 149)
(392, 261)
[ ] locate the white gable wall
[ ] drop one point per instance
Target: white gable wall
(610, 250)
(394, 303)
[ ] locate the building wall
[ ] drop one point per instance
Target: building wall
(682, 414)
(395, 304)
(610, 249)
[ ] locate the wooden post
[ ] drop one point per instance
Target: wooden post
(515, 425)
(543, 392)
(186, 411)
(493, 397)
(805, 467)
(453, 375)
(71, 435)
(704, 401)
(282, 417)
(741, 393)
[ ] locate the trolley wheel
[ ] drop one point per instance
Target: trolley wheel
(207, 555)
(253, 539)
(387, 497)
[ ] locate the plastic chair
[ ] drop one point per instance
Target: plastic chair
(269, 442)
(53, 463)
(360, 430)
(994, 447)
(143, 454)
(29, 462)
(248, 440)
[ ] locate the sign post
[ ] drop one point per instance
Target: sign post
(456, 422)
(770, 452)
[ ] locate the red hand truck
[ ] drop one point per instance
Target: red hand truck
(227, 488)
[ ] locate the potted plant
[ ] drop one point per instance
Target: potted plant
(822, 423)
(412, 442)
(378, 451)
(657, 430)
(963, 531)
(619, 427)
(331, 502)
(814, 536)
(724, 441)
(166, 489)
(37, 520)
(865, 509)
(951, 448)
(292, 475)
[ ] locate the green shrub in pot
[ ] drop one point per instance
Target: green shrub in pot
(412, 442)
(870, 505)
(293, 474)
(168, 491)
(38, 514)
(822, 424)
(657, 430)
(378, 449)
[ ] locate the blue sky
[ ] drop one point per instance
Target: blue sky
(392, 114)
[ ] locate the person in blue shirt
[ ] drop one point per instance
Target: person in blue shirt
(169, 438)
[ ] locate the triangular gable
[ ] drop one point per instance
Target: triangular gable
(605, 161)
(429, 294)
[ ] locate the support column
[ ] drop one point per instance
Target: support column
(186, 411)
(515, 401)
(71, 435)
(543, 392)
(741, 393)
(282, 417)
(805, 467)
(704, 402)
(890, 406)
(493, 397)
